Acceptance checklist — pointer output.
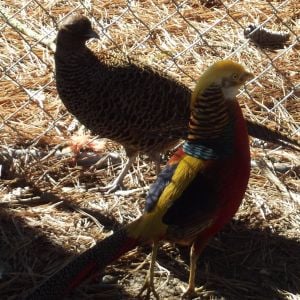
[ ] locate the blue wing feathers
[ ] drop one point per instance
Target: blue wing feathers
(156, 189)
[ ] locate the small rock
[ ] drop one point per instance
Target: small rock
(109, 279)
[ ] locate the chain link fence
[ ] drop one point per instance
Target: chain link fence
(180, 38)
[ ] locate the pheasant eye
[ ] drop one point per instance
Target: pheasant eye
(235, 76)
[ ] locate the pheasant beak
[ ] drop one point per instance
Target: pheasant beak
(92, 34)
(246, 77)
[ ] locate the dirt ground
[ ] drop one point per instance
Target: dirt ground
(50, 205)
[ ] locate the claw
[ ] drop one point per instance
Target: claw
(149, 286)
(111, 188)
(149, 283)
(192, 293)
(118, 182)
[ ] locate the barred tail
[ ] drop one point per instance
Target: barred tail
(266, 134)
(83, 266)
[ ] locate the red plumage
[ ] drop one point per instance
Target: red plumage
(197, 193)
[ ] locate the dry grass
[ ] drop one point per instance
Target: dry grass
(45, 200)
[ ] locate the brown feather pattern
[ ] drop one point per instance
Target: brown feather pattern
(135, 105)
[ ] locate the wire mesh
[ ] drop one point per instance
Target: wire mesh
(180, 38)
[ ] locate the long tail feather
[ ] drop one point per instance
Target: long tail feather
(84, 266)
(264, 133)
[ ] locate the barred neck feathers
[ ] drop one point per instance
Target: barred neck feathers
(211, 128)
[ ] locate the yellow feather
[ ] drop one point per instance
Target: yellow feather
(217, 70)
(150, 224)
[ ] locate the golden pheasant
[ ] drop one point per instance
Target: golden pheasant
(195, 195)
(142, 109)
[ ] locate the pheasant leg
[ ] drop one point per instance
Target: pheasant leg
(149, 283)
(115, 185)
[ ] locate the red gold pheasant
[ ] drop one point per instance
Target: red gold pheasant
(195, 195)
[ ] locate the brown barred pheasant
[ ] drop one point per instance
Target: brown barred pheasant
(134, 105)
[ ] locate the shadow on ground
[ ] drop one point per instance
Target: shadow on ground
(240, 263)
